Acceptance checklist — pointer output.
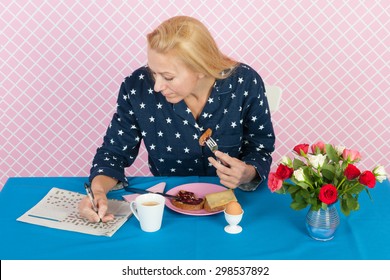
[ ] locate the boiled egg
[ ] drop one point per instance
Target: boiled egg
(233, 208)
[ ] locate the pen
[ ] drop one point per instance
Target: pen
(91, 196)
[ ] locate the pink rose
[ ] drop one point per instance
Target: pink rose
(320, 146)
(328, 194)
(284, 172)
(351, 155)
(301, 147)
(351, 172)
(274, 182)
(368, 179)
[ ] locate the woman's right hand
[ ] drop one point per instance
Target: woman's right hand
(100, 186)
(86, 209)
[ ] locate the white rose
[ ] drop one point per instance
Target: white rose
(298, 174)
(286, 161)
(317, 160)
(339, 149)
(380, 173)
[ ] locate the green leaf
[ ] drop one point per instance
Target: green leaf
(299, 198)
(352, 203)
(339, 170)
(313, 201)
(316, 177)
(293, 189)
(281, 191)
(315, 206)
(298, 202)
(328, 171)
(332, 153)
(297, 163)
(344, 165)
(300, 184)
(309, 174)
(344, 208)
(298, 205)
(303, 185)
(356, 189)
(305, 193)
(368, 193)
(324, 206)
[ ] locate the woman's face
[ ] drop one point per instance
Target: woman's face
(172, 77)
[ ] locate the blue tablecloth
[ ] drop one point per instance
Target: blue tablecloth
(271, 229)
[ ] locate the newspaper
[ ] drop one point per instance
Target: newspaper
(59, 209)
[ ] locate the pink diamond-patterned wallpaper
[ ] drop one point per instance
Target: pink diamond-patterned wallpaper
(62, 63)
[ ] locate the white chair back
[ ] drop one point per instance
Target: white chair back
(274, 94)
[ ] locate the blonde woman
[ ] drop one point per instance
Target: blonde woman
(187, 87)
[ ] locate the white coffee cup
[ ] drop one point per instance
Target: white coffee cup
(148, 209)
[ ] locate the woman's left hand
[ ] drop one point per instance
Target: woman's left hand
(232, 172)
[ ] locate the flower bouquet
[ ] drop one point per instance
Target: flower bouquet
(325, 175)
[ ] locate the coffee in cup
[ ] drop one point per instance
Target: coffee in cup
(148, 209)
(150, 203)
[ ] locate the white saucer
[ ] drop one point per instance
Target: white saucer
(233, 229)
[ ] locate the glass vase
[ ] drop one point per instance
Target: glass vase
(322, 224)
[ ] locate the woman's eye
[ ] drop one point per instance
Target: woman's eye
(168, 79)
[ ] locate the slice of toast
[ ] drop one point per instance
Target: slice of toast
(217, 201)
(188, 201)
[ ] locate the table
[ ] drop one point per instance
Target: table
(271, 229)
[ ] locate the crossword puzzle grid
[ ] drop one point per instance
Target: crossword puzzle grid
(63, 199)
(59, 209)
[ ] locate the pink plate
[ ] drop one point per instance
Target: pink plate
(200, 190)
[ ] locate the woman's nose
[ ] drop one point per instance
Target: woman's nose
(158, 84)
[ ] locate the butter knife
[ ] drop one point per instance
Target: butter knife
(142, 191)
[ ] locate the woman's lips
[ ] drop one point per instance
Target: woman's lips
(165, 94)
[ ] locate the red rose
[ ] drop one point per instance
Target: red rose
(328, 194)
(367, 178)
(274, 182)
(301, 147)
(351, 172)
(284, 172)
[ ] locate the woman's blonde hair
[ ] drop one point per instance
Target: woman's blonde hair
(191, 41)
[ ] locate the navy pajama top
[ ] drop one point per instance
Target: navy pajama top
(237, 112)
